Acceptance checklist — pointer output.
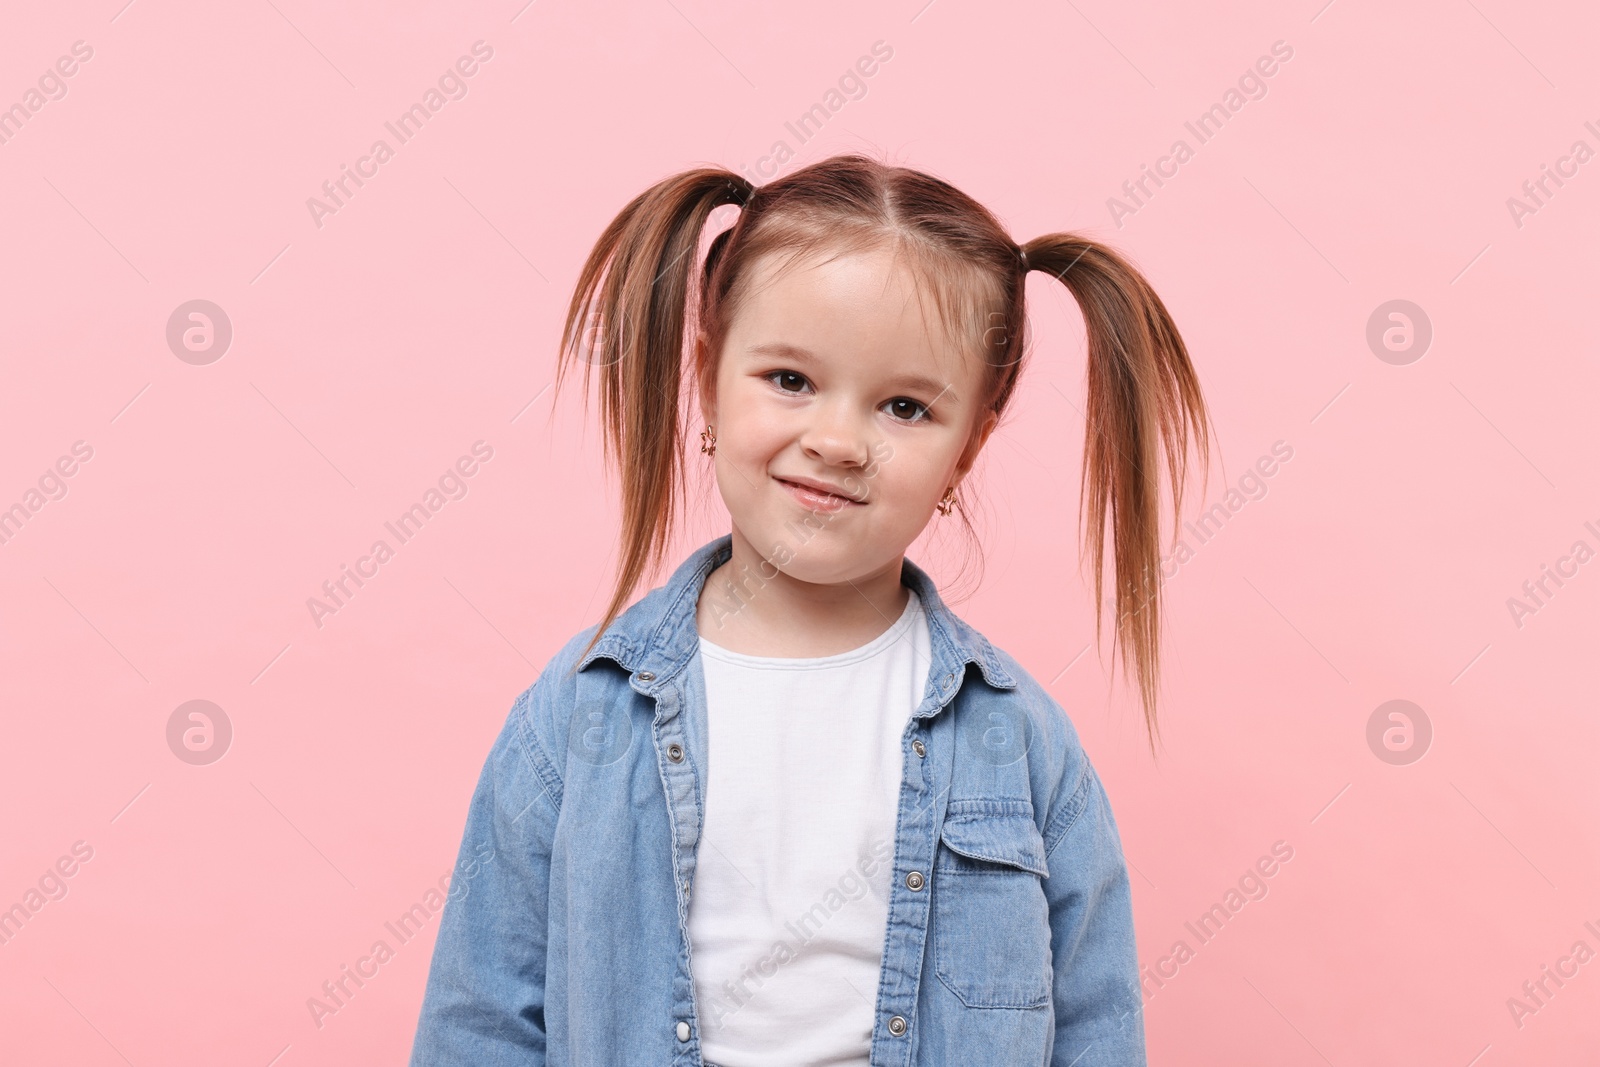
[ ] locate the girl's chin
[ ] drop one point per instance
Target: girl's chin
(814, 556)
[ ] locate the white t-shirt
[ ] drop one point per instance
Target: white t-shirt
(791, 891)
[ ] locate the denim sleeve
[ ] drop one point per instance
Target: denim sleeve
(484, 1000)
(1099, 1013)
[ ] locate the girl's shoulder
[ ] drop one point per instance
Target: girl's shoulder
(538, 735)
(1013, 683)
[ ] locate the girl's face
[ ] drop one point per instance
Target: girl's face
(842, 414)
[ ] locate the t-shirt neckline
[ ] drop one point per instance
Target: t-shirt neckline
(878, 644)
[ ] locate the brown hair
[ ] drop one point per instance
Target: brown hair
(630, 311)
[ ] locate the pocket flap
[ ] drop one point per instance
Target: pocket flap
(983, 830)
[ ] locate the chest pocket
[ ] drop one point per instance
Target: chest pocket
(991, 921)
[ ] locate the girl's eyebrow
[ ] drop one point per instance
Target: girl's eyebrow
(900, 381)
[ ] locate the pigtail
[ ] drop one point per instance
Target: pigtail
(626, 322)
(1142, 395)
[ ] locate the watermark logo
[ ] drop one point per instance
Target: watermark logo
(199, 332)
(1536, 992)
(339, 991)
(852, 85)
(720, 1004)
(1541, 589)
(594, 340)
(1252, 485)
(1251, 886)
(1399, 732)
(1000, 738)
(50, 86)
(50, 486)
(451, 85)
(600, 734)
(1137, 192)
(1537, 192)
(199, 732)
(1399, 332)
(451, 485)
(51, 885)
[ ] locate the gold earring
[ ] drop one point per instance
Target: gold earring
(948, 503)
(708, 436)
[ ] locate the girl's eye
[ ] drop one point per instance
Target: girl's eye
(784, 379)
(908, 411)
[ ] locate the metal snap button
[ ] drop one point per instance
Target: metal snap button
(897, 1026)
(919, 748)
(646, 676)
(948, 679)
(675, 752)
(683, 1031)
(915, 881)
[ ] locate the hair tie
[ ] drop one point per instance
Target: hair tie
(1022, 257)
(742, 188)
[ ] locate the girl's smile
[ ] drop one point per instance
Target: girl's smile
(818, 496)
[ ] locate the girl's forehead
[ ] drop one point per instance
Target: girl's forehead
(847, 302)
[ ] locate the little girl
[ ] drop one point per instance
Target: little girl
(788, 809)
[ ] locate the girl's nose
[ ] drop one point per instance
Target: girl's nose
(836, 438)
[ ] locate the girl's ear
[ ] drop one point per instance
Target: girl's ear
(970, 456)
(706, 384)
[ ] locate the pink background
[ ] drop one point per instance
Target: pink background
(371, 352)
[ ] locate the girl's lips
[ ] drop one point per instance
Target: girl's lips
(816, 500)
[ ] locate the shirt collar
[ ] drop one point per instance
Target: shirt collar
(657, 635)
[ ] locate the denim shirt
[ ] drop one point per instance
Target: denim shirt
(564, 940)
